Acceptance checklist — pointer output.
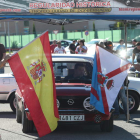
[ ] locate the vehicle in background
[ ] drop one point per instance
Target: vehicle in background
(8, 87)
(130, 2)
(64, 43)
(115, 46)
(94, 42)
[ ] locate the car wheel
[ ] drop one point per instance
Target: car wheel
(133, 102)
(107, 125)
(13, 102)
(27, 125)
(18, 114)
(128, 2)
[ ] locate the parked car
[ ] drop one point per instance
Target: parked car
(94, 42)
(115, 46)
(8, 87)
(73, 95)
(130, 2)
(64, 43)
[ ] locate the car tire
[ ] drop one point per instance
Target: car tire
(107, 125)
(134, 102)
(27, 125)
(13, 102)
(18, 114)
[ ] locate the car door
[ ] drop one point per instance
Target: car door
(7, 84)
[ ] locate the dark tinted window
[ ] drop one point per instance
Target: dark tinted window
(72, 72)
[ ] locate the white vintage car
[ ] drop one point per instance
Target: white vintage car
(8, 87)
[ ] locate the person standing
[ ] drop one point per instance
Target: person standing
(123, 97)
(72, 47)
(77, 44)
(134, 42)
(53, 46)
(137, 67)
(109, 46)
(81, 49)
(59, 49)
(121, 46)
(136, 52)
(2, 56)
(4, 61)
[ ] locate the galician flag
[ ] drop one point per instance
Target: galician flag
(109, 73)
(33, 71)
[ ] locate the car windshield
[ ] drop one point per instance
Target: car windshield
(93, 42)
(72, 72)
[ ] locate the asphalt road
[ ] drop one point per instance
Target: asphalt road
(11, 130)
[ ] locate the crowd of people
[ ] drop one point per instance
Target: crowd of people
(76, 47)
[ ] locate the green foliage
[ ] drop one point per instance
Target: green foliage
(14, 45)
(62, 28)
(119, 25)
(93, 26)
(34, 31)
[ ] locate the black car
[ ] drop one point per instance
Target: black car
(130, 2)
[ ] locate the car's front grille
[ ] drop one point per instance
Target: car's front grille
(74, 103)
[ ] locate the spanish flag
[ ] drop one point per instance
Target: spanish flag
(33, 71)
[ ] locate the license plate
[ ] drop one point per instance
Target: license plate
(71, 117)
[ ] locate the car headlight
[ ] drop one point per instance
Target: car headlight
(58, 103)
(87, 105)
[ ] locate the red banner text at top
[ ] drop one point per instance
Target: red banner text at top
(69, 4)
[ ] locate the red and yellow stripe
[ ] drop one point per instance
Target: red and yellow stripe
(41, 97)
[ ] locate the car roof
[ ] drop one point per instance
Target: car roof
(72, 57)
(62, 40)
(97, 39)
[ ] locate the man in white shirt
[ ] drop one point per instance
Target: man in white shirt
(59, 49)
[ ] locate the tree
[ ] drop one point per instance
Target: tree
(62, 28)
(119, 25)
(34, 31)
(96, 32)
(64, 32)
(93, 26)
(14, 45)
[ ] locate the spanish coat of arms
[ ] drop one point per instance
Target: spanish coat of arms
(36, 70)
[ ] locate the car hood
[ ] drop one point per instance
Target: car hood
(133, 79)
(91, 50)
(71, 84)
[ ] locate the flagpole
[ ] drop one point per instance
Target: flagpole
(125, 23)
